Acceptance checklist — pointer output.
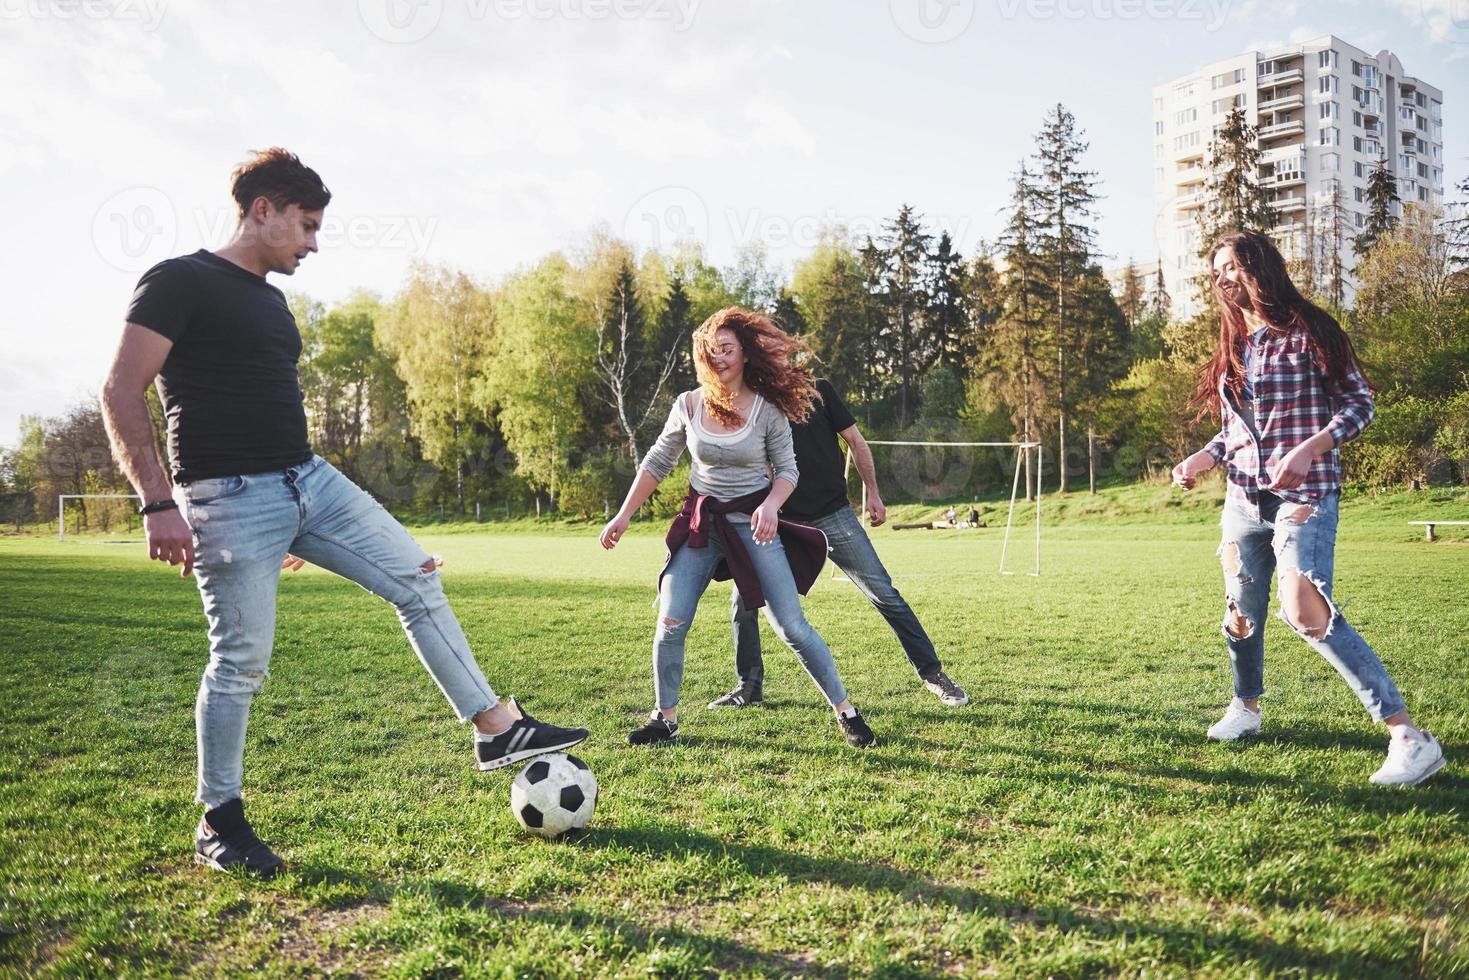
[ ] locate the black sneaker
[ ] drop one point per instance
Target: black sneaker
(524, 738)
(746, 695)
(225, 841)
(657, 730)
(859, 736)
(949, 693)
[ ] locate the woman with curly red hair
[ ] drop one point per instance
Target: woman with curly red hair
(1290, 390)
(736, 427)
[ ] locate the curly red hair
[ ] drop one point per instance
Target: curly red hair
(774, 366)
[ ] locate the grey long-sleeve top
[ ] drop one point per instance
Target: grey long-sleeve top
(725, 464)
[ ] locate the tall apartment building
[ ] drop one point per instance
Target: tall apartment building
(1326, 113)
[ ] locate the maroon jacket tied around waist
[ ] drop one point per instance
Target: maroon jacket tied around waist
(805, 547)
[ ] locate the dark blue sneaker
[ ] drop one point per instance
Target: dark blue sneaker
(525, 738)
(226, 841)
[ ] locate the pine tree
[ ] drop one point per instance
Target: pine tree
(1067, 240)
(1016, 341)
(1382, 194)
(1160, 302)
(905, 251)
(674, 330)
(948, 321)
(1131, 301)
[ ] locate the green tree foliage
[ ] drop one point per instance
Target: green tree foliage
(542, 356)
(439, 332)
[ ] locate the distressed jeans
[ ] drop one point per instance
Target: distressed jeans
(687, 576)
(1300, 538)
(243, 526)
(852, 551)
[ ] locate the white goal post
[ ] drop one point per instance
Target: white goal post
(61, 500)
(1021, 457)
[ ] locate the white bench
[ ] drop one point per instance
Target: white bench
(1429, 525)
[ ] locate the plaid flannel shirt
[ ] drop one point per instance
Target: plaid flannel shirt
(1293, 401)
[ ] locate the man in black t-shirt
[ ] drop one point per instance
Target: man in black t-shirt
(246, 493)
(820, 500)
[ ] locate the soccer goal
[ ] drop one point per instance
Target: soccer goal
(1022, 452)
(112, 510)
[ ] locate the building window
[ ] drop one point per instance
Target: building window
(1357, 68)
(1357, 119)
(1330, 136)
(1326, 83)
(1330, 110)
(1422, 170)
(1158, 128)
(1357, 168)
(1358, 194)
(1185, 116)
(1330, 162)
(1326, 59)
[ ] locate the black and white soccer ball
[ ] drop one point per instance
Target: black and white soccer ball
(553, 794)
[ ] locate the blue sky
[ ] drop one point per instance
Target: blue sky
(484, 133)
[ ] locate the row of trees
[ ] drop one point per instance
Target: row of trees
(544, 389)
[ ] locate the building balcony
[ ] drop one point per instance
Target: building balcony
(1284, 103)
(1288, 178)
(1281, 78)
(1190, 201)
(1294, 127)
(1288, 205)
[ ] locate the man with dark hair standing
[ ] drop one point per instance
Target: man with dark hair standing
(245, 490)
(820, 500)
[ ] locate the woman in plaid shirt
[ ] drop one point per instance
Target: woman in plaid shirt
(1290, 391)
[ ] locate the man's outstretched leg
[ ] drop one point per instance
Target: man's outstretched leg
(345, 531)
(852, 552)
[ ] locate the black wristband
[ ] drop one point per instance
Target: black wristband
(165, 504)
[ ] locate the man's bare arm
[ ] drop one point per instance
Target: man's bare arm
(139, 358)
(877, 512)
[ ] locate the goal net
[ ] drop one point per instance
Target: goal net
(97, 512)
(943, 471)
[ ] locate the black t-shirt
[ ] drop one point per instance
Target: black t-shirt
(822, 488)
(229, 386)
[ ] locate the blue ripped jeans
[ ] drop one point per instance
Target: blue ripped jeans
(687, 576)
(1301, 538)
(243, 527)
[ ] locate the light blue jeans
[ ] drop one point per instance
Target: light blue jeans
(1292, 537)
(684, 581)
(243, 527)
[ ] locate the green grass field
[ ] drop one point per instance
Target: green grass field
(1072, 821)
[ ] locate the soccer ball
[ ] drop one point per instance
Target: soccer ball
(553, 794)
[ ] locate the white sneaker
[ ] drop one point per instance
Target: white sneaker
(1237, 721)
(1410, 761)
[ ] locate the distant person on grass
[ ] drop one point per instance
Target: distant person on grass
(245, 489)
(736, 429)
(1291, 391)
(820, 500)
